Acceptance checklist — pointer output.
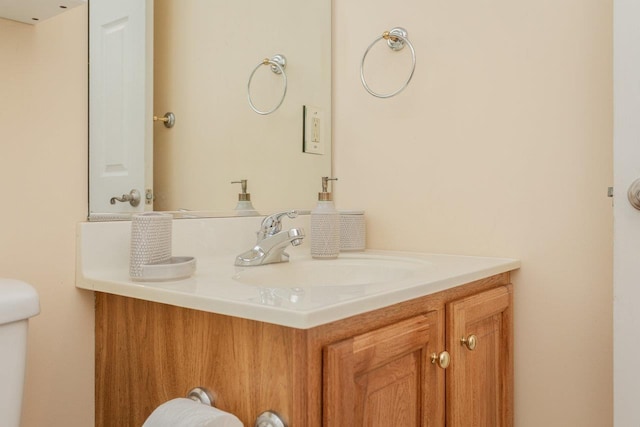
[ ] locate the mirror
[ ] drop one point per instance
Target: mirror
(204, 53)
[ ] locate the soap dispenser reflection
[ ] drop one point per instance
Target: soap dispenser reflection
(244, 206)
(325, 225)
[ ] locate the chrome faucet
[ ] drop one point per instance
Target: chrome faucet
(272, 241)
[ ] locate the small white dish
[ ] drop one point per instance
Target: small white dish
(178, 267)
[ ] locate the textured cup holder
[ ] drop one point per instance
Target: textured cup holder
(150, 254)
(352, 231)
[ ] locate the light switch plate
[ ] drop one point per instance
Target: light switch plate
(313, 130)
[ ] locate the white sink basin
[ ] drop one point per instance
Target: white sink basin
(348, 270)
(303, 293)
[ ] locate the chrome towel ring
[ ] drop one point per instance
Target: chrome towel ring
(396, 40)
(278, 64)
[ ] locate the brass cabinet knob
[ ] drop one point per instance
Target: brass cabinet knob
(470, 342)
(443, 359)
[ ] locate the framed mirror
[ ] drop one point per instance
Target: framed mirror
(194, 58)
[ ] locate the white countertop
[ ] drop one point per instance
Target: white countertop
(218, 286)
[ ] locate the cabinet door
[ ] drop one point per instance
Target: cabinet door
(480, 381)
(385, 377)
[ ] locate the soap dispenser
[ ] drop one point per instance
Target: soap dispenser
(325, 225)
(244, 206)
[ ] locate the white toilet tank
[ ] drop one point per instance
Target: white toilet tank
(18, 302)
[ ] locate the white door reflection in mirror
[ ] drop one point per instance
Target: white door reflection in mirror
(120, 87)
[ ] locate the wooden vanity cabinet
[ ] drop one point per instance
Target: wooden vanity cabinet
(391, 376)
(373, 369)
(385, 377)
(479, 382)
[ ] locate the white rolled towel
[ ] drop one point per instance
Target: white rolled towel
(183, 412)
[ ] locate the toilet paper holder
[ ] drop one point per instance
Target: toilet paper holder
(202, 395)
(269, 419)
(265, 419)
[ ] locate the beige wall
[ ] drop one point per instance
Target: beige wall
(43, 176)
(500, 146)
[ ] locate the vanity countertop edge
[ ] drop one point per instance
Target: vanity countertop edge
(206, 292)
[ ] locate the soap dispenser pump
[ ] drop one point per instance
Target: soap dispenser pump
(244, 206)
(325, 225)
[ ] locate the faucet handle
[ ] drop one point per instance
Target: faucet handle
(273, 223)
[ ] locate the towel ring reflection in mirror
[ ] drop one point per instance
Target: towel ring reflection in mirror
(396, 40)
(277, 63)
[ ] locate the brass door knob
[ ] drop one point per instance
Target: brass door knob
(443, 359)
(470, 342)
